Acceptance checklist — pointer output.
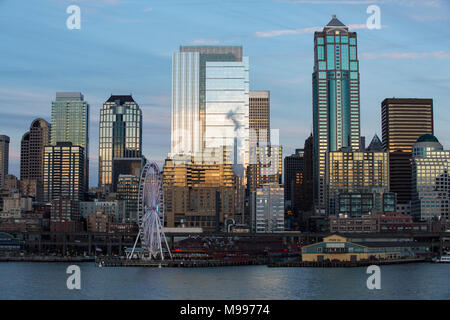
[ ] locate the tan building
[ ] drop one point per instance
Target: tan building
(99, 221)
(192, 191)
(359, 171)
(259, 117)
(338, 248)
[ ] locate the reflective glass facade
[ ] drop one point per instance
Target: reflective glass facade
(120, 134)
(430, 181)
(336, 119)
(70, 123)
(210, 104)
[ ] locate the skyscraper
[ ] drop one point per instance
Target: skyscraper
(293, 173)
(403, 121)
(70, 123)
(259, 117)
(430, 179)
(64, 172)
(210, 104)
(336, 119)
(120, 134)
(356, 172)
(4, 158)
(198, 195)
(32, 156)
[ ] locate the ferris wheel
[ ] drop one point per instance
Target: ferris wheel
(150, 214)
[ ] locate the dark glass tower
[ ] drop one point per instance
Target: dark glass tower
(335, 80)
(120, 134)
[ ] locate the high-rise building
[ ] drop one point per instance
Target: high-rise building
(308, 177)
(32, 157)
(128, 191)
(355, 171)
(268, 208)
(64, 172)
(259, 117)
(70, 123)
(430, 179)
(336, 119)
(4, 158)
(120, 135)
(403, 121)
(293, 173)
(198, 195)
(266, 166)
(127, 166)
(210, 104)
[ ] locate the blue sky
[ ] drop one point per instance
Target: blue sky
(125, 47)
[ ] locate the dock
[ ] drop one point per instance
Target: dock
(342, 264)
(176, 263)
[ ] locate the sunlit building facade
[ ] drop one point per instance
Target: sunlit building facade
(355, 172)
(266, 166)
(198, 195)
(210, 104)
(120, 134)
(336, 102)
(430, 179)
(64, 172)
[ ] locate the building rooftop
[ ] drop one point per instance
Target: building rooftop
(427, 138)
(334, 22)
(375, 144)
(121, 98)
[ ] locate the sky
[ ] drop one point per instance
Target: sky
(125, 47)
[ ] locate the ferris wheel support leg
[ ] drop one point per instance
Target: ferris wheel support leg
(167, 245)
(159, 242)
(134, 246)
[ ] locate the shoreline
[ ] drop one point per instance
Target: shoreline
(105, 262)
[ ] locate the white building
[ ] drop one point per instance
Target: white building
(15, 205)
(115, 208)
(210, 104)
(267, 207)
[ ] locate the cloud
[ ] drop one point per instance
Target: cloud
(205, 41)
(276, 33)
(332, 1)
(410, 3)
(148, 9)
(407, 55)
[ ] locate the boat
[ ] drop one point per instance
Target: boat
(442, 259)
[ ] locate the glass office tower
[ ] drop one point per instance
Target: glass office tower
(430, 179)
(70, 123)
(120, 134)
(210, 104)
(336, 119)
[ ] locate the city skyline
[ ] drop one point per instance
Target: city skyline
(284, 70)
